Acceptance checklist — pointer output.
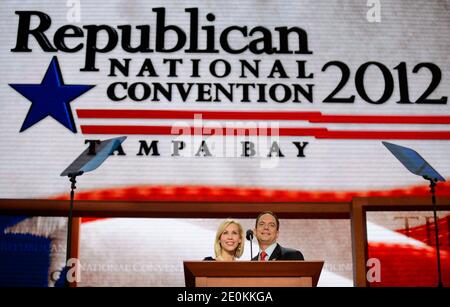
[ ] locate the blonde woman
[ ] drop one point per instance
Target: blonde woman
(229, 242)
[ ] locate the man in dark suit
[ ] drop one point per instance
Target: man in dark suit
(266, 231)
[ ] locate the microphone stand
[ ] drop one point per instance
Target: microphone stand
(249, 237)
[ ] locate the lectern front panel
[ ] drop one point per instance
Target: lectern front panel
(253, 282)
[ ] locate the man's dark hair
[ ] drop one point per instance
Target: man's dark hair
(272, 214)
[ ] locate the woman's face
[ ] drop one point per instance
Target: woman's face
(230, 239)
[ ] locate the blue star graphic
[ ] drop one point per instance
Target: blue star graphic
(51, 97)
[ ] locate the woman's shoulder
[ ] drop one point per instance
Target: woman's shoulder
(209, 259)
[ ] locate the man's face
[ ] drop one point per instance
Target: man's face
(266, 230)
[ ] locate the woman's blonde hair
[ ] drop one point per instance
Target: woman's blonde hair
(218, 248)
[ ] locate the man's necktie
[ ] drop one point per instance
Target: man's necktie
(263, 256)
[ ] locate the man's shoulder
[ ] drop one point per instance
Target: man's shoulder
(287, 250)
(290, 253)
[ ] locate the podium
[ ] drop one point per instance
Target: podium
(252, 273)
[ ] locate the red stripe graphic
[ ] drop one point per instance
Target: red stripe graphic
(313, 117)
(201, 193)
(408, 266)
(320, 133)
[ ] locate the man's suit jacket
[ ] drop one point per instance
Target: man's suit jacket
(283, 253)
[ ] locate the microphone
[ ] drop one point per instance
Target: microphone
(249, 236)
